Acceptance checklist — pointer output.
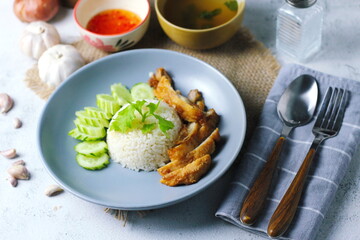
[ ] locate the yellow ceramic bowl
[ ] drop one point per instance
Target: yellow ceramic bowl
(200, 38)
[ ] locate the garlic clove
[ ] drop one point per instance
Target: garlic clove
(53, 190)
(19, 172)
(13, 181)
(17, 123)
(19, 162)
(6, 103)
(10, 153)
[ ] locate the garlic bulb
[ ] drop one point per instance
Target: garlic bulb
(37, 37)
(57, 63)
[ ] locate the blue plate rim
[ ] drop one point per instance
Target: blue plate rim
(149, 206)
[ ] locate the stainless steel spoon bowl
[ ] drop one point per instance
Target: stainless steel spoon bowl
(296, 107)
(297, 104)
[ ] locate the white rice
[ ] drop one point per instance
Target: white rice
(148, 152)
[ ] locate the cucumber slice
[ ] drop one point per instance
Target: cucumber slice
(96, 132)
(91, 148)
(75, 133)
(107, 103)
(93, 163)
(85, 118)
(98, 113)
(142, 91)
(121, 93)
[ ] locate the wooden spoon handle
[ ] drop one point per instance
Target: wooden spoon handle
(285, 212)
(256, 198)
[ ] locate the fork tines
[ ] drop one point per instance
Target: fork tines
(332, 109)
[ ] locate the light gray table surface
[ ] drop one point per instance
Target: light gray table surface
(26, 213)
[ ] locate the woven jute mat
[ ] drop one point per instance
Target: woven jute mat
(246, 62)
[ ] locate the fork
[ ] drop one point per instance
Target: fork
(327, 125)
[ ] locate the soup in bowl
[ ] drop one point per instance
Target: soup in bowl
(200, 24)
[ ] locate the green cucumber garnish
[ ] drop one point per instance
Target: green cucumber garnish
(97, 132)
(142, 91)
(91, 148)
(93, 163)
(75, 133)
(107, 103)
(97, 113)
(121, 93)
(85, 118)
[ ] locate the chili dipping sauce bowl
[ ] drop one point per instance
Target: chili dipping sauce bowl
(85, 10)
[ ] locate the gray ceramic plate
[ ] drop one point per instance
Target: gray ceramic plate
(115, 186)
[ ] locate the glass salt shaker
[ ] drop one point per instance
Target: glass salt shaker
(299, 27)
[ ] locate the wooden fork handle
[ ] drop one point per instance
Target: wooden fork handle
(256, 197)
(285, 212)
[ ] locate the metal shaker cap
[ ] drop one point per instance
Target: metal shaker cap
(301, 3)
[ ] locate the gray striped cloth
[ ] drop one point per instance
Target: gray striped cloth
(328, 168)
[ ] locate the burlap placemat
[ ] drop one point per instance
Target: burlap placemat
(246, 62)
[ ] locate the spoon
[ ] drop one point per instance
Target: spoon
(295, 108)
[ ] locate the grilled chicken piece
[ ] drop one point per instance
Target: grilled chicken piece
(190, 157)
(162, 84)
(206, 147)
(208, 123)
(186, 132)
(189, 174)
(198, 134)
(153, 81)
(196, 97)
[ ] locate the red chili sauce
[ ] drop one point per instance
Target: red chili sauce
(113, 21)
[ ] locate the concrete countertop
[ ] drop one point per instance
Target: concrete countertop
(26, 213)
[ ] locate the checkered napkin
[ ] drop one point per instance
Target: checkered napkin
(328, 167)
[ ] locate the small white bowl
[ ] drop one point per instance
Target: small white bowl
(85, 9)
